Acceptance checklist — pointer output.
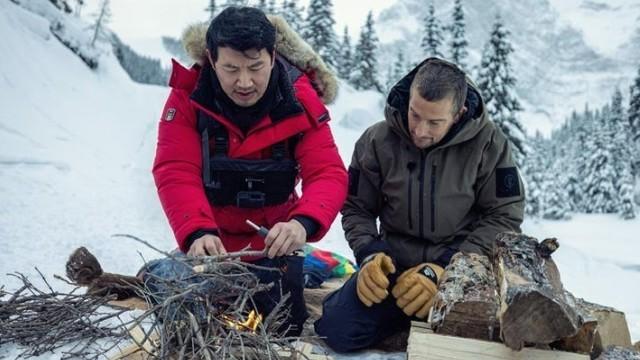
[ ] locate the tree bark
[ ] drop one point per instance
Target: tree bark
(467, 299)
(534, 308)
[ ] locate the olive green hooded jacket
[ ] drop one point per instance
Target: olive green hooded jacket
(454, 196)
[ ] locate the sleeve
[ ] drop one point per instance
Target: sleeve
(499, 197)
(177, 170)
(364, 201)
(324, 179)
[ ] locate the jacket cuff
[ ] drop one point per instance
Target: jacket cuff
(444, 259)
(196, 235)
(310, 225)
(373, 247)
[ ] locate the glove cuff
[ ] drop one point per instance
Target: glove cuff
(432, 271)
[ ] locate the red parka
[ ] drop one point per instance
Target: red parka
(177, 169)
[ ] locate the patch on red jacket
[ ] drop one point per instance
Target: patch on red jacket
(170, 114)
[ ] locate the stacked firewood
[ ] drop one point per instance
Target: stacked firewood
(518, 299)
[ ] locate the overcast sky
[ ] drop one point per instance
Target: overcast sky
(138, 19)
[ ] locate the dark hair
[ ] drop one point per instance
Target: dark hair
(437, 79)
(242, 29)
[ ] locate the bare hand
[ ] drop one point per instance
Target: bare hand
(207, 245)
(285, 238)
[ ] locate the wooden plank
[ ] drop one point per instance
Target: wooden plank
(425, 345)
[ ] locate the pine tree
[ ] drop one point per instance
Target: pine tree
(211, 9)
(237, 3)
(293, 14)
(433, 38)
(319, 32)
(458, 43)
(102, 19)
(599, 169)
(622, 155)
(535, 181)
(634, 122)
(345, 60)
(497, 83)
(398, 71)
(556, 204)
(262, 5)
(365, 76)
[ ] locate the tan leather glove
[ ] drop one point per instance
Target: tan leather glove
(416, 288)
(372, 279)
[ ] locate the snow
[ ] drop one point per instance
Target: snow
(76, 148)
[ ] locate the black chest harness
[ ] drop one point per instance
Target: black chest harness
(240, 182)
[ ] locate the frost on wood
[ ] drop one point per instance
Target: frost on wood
(534, 307)
(467, 299)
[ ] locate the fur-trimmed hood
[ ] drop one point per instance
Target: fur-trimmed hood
(288, 44)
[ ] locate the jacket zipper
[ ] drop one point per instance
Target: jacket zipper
(421, 199)
(410, 202)
(433, 198)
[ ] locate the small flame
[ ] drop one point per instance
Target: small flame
(254, 319)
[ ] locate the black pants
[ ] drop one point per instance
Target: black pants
(348, 325)
(288, 279)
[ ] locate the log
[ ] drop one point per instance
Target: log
(467, 299)
(425, 345)
(84, 269)
(534, 308)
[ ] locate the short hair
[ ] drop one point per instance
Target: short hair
(241, 29)
(437, 79)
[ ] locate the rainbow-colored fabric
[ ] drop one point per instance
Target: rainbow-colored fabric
(320, 265)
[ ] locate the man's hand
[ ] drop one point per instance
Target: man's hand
(416, 288)
(372, 279)
(207, 245)
(285, 238)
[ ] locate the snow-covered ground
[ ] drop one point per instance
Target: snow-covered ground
(76, 148)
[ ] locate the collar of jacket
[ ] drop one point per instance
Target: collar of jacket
(398, 104)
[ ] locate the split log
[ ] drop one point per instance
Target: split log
(533, 306)
(467, 299)
(84, 269)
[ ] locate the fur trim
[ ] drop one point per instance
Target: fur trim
(288, 44)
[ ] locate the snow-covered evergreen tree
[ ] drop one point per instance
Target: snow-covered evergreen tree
(293, 14)
(211, 9)
(397, 71)
(458, 44)
(365, 75)
(262, 5)
(101, 20)
(497, 84)
(622, 155)
(555, 199)
(433, 38)
(237, 3)
(346, 58)
(175, 48)
(634, 122)
(319, 32)
(140, 68)
(533, 174)
(599, 169)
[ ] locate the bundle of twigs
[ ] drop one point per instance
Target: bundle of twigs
(209, 314)
(46, 320)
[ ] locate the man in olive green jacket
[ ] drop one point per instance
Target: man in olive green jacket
(439, 176)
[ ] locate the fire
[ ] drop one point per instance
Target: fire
(254, 319)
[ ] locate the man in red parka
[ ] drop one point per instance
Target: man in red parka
(238, 131)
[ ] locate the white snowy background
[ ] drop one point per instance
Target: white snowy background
(76, 148)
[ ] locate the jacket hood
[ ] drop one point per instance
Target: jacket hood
(473, 120)
(288, 44)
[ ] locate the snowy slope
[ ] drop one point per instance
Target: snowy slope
(76, 147)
